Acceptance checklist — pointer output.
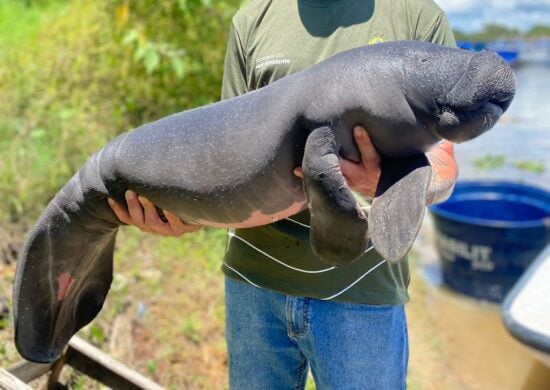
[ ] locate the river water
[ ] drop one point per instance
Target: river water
(521, 136)
(477, 350)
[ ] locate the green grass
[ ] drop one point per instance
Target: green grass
(19, 22)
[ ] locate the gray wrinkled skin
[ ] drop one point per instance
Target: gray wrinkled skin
(228, 163)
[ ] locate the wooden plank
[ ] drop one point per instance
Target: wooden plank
(56, 386)
(56, 369)
(27, 371)
(11, 382)
(92, 362)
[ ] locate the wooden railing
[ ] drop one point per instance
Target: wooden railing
(83, 357)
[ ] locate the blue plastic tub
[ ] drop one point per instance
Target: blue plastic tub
(488, 233)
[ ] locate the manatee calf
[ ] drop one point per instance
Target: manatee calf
(230, 164)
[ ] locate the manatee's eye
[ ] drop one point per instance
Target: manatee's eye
(424, 59)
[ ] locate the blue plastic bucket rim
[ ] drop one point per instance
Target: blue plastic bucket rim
(479, 185)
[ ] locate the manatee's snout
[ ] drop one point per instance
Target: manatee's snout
(478, 98)
(487, 78)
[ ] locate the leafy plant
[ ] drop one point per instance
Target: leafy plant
(190, 329)
(97, 334)
(530, 166)
(489, 162)
(151, 366)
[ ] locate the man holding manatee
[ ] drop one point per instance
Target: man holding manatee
(287, 311)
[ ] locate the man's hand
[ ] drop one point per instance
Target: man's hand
(363, 176)
(144, 215)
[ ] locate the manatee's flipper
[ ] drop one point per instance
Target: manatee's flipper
(399, 205)
(338, 225)
(65, 269)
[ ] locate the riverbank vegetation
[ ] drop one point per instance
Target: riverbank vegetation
(74, 74)
(493, 32)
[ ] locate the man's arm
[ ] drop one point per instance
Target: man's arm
(234, 70)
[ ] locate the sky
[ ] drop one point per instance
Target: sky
(472, 15)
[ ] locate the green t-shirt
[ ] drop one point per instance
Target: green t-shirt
(270, 39)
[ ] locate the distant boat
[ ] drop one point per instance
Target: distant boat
(469, 45)
(511, 56)
(505, 49)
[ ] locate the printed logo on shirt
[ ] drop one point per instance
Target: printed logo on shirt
(378, 38)
(272, 59)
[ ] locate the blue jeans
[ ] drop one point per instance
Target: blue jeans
(273, 339)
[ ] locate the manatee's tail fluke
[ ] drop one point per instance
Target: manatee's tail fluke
(59, 287)
(398, 208)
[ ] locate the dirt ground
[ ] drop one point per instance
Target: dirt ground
(458, 342)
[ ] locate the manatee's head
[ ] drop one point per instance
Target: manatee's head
(460, 94)
(58, 290)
